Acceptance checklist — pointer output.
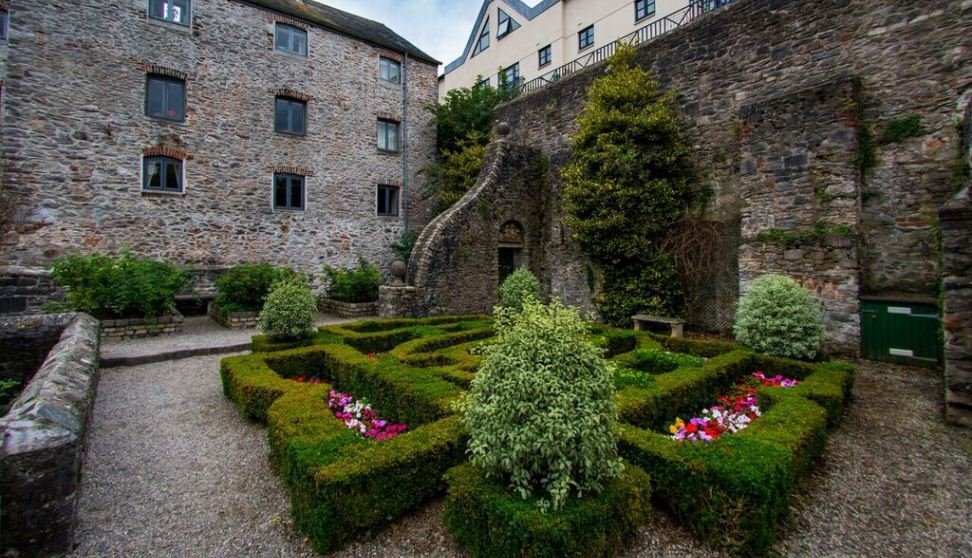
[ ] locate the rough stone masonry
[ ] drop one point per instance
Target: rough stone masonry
(775, 95)
(75, 130)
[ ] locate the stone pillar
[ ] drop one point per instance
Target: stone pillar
(400, 302)
(956, 226)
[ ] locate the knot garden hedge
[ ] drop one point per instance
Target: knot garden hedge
(732, 492)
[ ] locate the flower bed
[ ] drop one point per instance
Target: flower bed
(733, 413)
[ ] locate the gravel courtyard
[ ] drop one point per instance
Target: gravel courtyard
(172, 470)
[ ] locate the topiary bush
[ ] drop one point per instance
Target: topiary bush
(519, 287)
(540, 411)
(289, 310)
(779, 317)
(119, 287)
(359, 284)
(244, 288)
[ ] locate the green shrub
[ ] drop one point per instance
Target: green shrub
(647, 285)
(540, 411)
(403, 248)
(900, 129)
(119, 287)
(244, 288)
(519, 287)
(359, 284)
(655, 361)
(489, 521)
(779, 317)
(289, 310)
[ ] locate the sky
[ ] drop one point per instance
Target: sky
(438, 27)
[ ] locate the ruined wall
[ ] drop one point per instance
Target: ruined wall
(909, 58)
(74, 131)
(454, 267)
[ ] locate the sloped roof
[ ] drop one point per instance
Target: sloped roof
(346, 24)
(517, 6)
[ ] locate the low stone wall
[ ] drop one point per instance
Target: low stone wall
(400, 302)
(348, 309)
(233, 320)
(25, 290)
(43, 438)
(141, 327)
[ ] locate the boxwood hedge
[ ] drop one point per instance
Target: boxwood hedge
(733, 492)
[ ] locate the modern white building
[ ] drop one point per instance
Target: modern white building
(514, 43)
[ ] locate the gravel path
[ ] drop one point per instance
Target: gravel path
(172, 470)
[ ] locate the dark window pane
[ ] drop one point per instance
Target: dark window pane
(296, 193)
(280, 116)
(393, 201)
(175, 100)
(280, 191)
(153, 174)
(155, 103)
(298, 116)
(382, 205)
(173, 176)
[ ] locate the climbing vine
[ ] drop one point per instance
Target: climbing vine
(629, 180)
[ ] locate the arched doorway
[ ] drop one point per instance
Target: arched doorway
(510, 249)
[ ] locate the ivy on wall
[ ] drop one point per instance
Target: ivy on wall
(629, 180)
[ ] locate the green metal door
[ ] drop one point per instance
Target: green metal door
(902, 332)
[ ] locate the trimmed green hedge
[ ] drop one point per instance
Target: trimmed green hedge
(490, 521)
(733, 492)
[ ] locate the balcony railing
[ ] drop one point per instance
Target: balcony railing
(656, 28)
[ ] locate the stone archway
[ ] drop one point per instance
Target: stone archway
(510, 249)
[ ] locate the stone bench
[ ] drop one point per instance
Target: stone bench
(678, 326)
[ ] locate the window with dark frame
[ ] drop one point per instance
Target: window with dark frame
(173, 11)
(388, 136)
(482, 83)
(165, 97)
(161, 174)
(643, 9)
(545, 56)
(389, 70)
(288, 38)
(585, 38)
(388, 201)
(510, 77)
(483, 42)
(290, 116)
(288, 191)
(505, 25)
(4, 21)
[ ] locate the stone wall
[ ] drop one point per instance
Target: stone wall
(909, 58)
(137, 328)
(74, 131)
(232, 320)
(43, 439)
(956, 227)
(26, 290)
(455, 262)
(353, 310)
(799, 180)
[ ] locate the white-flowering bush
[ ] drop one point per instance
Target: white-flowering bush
(289, 310)
(541, 410)
(517, 288)
(779, 317)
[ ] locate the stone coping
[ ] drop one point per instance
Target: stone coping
(348, 309)
(232, 320)
(43, 438)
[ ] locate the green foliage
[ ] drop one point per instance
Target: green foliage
(490, 522)
(779, 317)
(647, 285)
(866, 156)
(519, 287)
(244, 288)
(119, 287)
(403, 248)
(289, 310)
(465, 112)
(9, 390)
(791, 238)
(456, 172)
(655, 361)
(358, 284)
(900, 129)
(630, 176)
(540, 412)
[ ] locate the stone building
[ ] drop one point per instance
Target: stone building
(830, 138)
(210, 132)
